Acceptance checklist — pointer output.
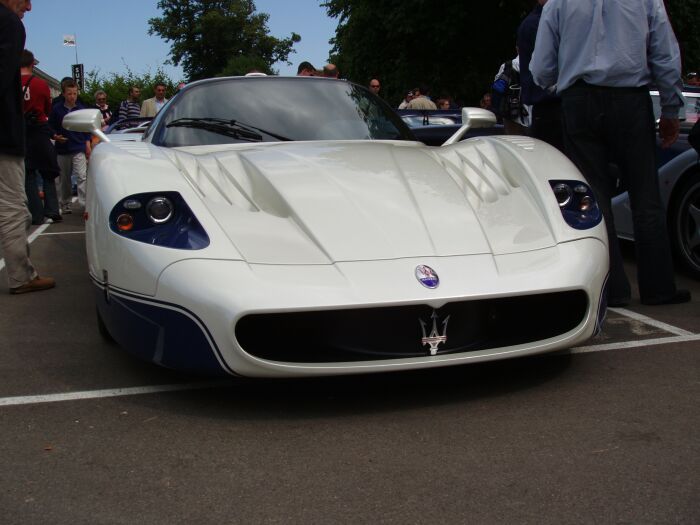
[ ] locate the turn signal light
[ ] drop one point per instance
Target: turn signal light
(125, 222)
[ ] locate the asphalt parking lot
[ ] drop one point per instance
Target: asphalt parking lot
(606, 433)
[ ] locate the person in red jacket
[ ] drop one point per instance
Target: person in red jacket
(41, 155)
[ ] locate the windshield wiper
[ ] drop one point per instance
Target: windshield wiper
(231, 128)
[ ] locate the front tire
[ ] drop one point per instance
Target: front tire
(684, 224)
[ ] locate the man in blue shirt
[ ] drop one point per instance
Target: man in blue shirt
(72, 149)
(602, 56)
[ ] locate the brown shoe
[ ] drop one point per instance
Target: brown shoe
(35, 285)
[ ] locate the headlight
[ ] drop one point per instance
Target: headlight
(577, 203)
(563, 194)
(159, 219)
(159, 210)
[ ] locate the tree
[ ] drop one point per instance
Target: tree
(219, 37)
(685, 18)
(454, 47)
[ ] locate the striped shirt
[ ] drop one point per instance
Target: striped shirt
(128, 109)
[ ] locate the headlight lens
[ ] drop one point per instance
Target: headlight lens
(577, 203)
(159, 210)
(563, 194)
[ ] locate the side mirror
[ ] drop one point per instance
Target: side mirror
(472, 118)
(85, 121)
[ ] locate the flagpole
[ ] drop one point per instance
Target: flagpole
(76, 49)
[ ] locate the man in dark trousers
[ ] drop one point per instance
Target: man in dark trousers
(14, 215)
(603, 55)
(546, 105)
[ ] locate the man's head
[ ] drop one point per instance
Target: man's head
(305, 69)
(27, 60)
(134, 93)
(19, 7)
(330, 71)
(421, 90)
(100, 97)
(70, 92)
(375, 86)
(159, 91)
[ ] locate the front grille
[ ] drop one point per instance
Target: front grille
(366, 334)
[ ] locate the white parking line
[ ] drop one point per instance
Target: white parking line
(639, 343)
(112, 392)
(651, 322)
(63, 233)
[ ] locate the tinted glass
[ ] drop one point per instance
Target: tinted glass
(292, 108)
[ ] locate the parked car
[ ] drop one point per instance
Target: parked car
(293, 226)
(679, 181)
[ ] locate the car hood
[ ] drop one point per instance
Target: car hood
(319, 203)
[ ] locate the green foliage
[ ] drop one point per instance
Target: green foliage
(685, 18)
(215, 37)
(117, 85)
(455, 48)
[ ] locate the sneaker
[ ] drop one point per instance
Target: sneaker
(55, 217)
(65, 210)
(35, 285)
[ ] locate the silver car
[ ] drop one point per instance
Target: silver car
(679, 181)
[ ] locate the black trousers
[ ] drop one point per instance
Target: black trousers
(602, 125)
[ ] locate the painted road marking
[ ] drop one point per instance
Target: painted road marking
(651, 322)
(62, 233)
(112, 392)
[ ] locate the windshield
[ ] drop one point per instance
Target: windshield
(270, 109)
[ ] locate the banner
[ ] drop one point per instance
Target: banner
(78, 76)
(69, 40)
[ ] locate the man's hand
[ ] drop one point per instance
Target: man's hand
(668, 130)
(60, 139)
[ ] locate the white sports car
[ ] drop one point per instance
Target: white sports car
(272, 226)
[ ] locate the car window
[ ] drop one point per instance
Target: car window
(270, 109)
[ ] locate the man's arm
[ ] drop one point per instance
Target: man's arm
(664, 60)
(544, 64)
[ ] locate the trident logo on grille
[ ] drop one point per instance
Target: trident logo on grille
(434, 338)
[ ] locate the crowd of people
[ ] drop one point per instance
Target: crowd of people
(575, 92)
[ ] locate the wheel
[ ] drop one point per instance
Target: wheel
(102, 328)
(684, 224)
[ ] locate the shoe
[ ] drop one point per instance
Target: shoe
(55, 217)
(618, 302)
(681, 296)
(35, 285)
(66, 210)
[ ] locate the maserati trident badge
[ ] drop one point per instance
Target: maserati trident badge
(434, 338)
(427, 276)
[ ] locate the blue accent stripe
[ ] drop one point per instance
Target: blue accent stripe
(163, 333)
